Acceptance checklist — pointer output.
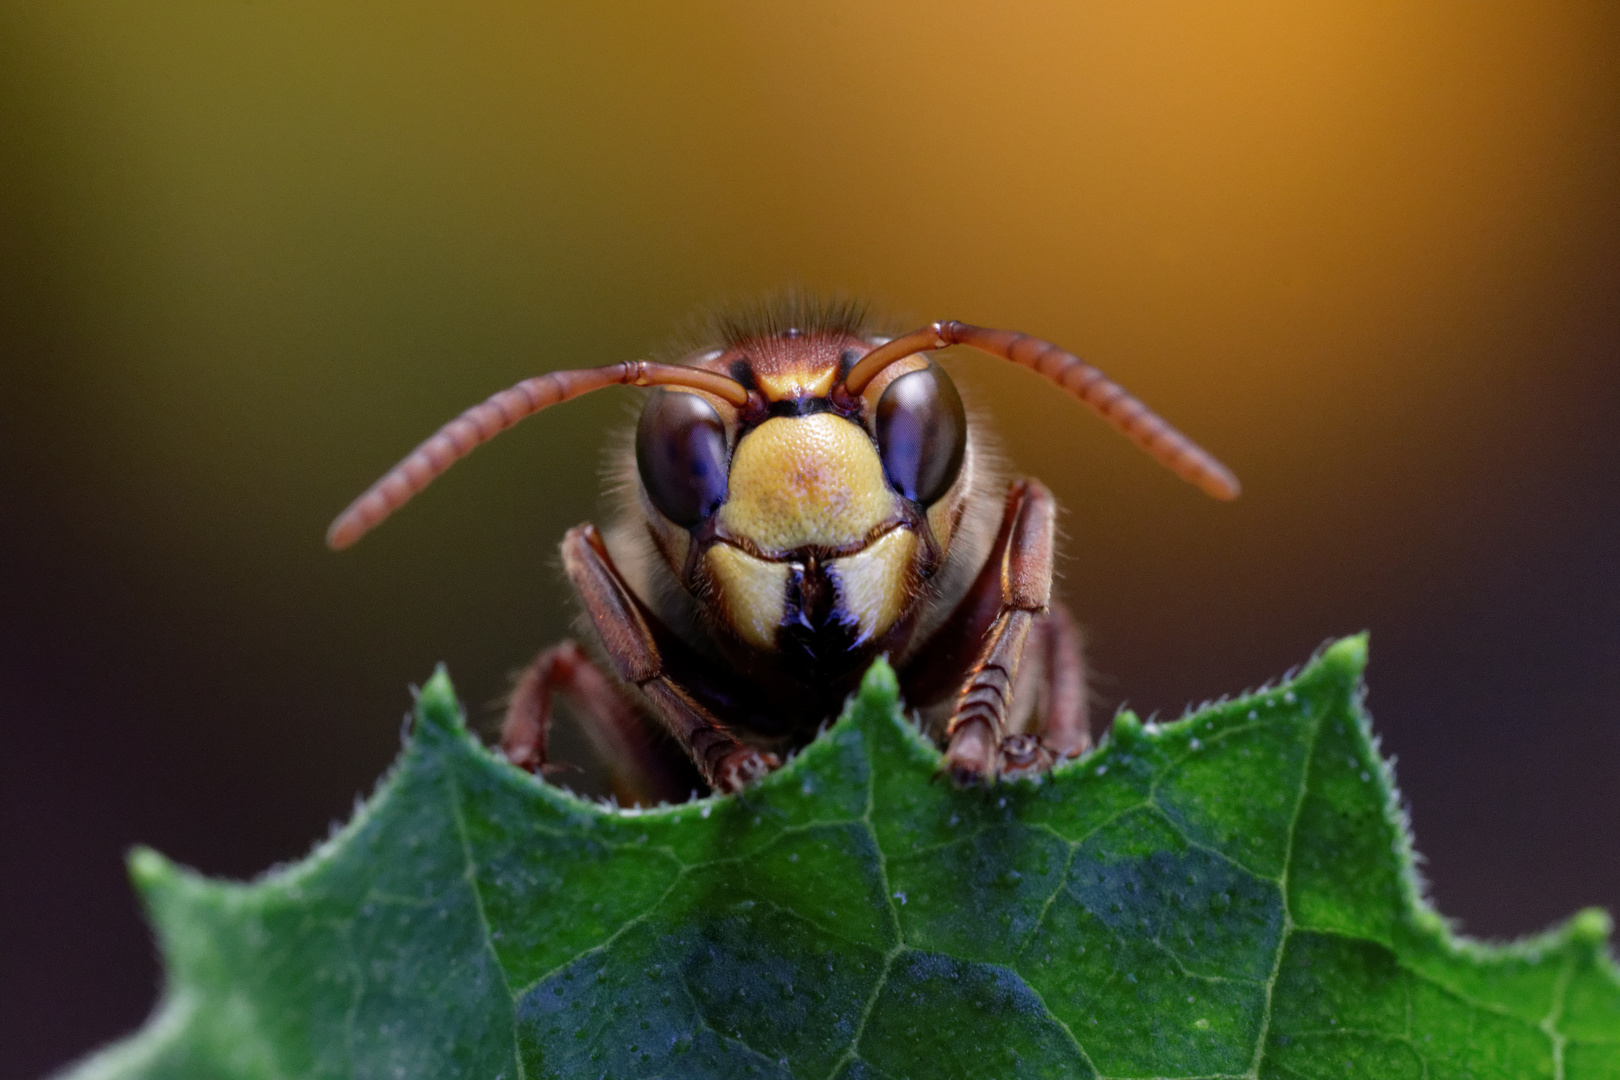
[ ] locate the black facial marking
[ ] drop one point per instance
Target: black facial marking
(742, 371)
(817, 638)
(799, 407)
(922, 434)
(681, 456)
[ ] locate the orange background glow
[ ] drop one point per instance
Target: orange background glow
(250, 253)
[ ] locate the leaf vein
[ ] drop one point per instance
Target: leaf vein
(469, 873)
(1282, 883)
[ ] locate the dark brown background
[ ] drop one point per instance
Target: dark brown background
(249, 253)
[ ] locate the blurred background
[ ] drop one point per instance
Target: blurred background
(250, 253)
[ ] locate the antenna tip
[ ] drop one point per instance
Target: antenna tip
(1221, 485)
(343, 533)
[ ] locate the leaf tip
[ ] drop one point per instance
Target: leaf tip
(1347, 656)
(879, 685)
(1127, 727)
(436, 704)
(149, 870)
(1591, 927)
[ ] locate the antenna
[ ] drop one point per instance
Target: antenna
(1129, 416)
(488, 419)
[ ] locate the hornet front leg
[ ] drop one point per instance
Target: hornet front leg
(1007, 608)
(645, 655)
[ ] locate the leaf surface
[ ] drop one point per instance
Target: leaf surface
(1229, 895)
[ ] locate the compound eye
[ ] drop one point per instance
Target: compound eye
(681, 455)
(922, 434)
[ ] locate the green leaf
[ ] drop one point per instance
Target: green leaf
(1228, 895)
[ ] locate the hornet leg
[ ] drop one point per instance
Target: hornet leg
(1005, 610)
(1051, 690)
(639, 768)
(645, 655)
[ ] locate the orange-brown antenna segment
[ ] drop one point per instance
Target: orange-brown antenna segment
(488, 419)
(1134, 420)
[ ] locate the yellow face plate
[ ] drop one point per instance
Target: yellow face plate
(875, 585)
(806, 481)
(752, 592)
